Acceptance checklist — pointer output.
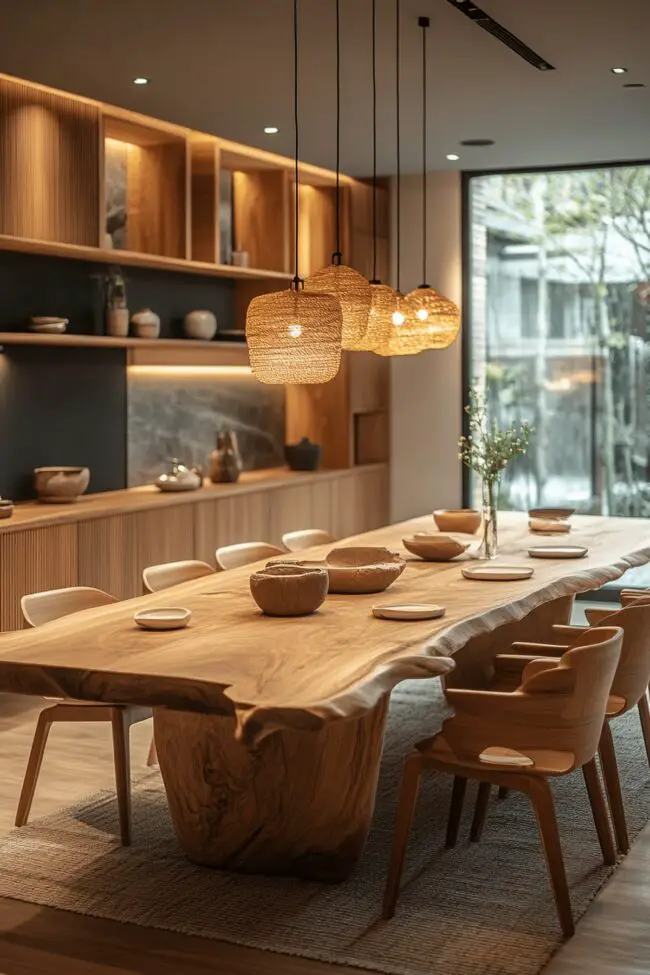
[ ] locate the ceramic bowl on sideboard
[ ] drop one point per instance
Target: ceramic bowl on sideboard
(464, 520)
(60, 485)
(289, 590)
(434, 548)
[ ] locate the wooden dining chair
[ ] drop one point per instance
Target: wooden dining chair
(38, 609)
(232, 556)
(155, 578)
(548, 727)
(307, 538)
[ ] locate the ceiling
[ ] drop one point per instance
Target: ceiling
(224, 66)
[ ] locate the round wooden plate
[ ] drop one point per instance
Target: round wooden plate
(557, 551)
(411, 611)
(169, 618)
(498, 573)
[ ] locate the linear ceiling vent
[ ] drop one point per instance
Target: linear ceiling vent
(484, 21)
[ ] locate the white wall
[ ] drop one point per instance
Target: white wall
(426, 394)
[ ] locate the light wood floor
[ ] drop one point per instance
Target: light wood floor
(613, 939)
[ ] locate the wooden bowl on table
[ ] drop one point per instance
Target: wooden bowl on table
(464, 520)
(60, 485)
(356, 571)
(282, 589)
(434, 548)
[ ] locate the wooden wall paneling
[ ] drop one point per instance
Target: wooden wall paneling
(322, 413)
(204, 180)
(291, 510)
(369, 382)
(261, 217)
(164, 535)
(322, 507)
(229, 520)
(156, 199)
(317, 227)
(372, 437)
(107, 555)
(34, 560)
(49, 152)
(360, 229)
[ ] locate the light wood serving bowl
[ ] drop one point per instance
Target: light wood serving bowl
(465, 520)
(356, 571)
(282, 589)
(434, 548)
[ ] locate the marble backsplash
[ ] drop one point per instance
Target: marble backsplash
(180, 416)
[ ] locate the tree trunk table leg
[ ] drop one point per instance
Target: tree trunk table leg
(300, 803)
(474, 661)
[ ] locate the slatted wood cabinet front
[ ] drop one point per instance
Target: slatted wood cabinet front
(111, 550)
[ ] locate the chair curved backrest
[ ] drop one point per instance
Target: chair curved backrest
(158, 577)
(43, 607)
(232, 556)
(633, 672)
(559, 707)
(306, 538)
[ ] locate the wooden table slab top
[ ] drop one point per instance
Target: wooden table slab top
(306, 671)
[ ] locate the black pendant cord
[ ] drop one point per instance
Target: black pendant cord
(424, 23)
(375, 280)
(399, 178)
(297, 282)
(337, 256)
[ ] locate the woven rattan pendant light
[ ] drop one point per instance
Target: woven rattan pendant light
(384, 301)
(350, 288)
(394, 324)
(434, 321)
(294, 336)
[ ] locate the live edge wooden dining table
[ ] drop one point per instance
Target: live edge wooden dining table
(269, 731)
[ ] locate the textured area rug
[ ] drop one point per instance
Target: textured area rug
(481, 909)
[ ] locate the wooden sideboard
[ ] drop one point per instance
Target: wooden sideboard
(105, 540)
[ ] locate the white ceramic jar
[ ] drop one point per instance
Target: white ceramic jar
(200, 325)
(145, 324)
(117, 322)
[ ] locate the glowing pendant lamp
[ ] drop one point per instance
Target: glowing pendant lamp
(434, 321)
(394, 324)
(350, 288)
(384, 302)
(294, 336)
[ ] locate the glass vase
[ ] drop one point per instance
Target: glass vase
(489, 544)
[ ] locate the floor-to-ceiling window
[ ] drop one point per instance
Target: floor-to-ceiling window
(560, 330)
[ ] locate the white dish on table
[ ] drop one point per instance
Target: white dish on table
(557, 551)
(498, 573)
(409, 611)
(167, 618)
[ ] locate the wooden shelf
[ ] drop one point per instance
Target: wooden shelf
(26, 245)
(67, 340)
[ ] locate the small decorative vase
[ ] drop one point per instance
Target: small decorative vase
(489, 544)
(200, 325)
(117, 322)
(225, 461)
(146, 324)
(303, 456)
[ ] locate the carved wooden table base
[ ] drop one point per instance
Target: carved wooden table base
(299, 803)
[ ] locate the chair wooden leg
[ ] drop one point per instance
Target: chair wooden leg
(122, 760)
(613, 786)
(480, 811)
(152, 757)
(503, 792)
(644, 714)
(405, 809)
(542, 799)
(33, 767)
(455, 810)
(599, 810)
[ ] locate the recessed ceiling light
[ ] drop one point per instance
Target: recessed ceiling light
(634, 84)
(271, 130)
(477, 142)
(452, 156)
(140, 81)
(619, 70)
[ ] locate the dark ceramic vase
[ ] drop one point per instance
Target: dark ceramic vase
(303, 456)
(225, 461)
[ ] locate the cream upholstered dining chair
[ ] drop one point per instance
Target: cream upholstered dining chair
(307, 538)
(232, 556)
(549, 726)
(43, 607)
(158, 577)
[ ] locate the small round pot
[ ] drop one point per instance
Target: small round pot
(200, 325)
(6, 508)
(145, 324)
(465, 520)
(303, 456)
(60, 485)
(289, 590)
